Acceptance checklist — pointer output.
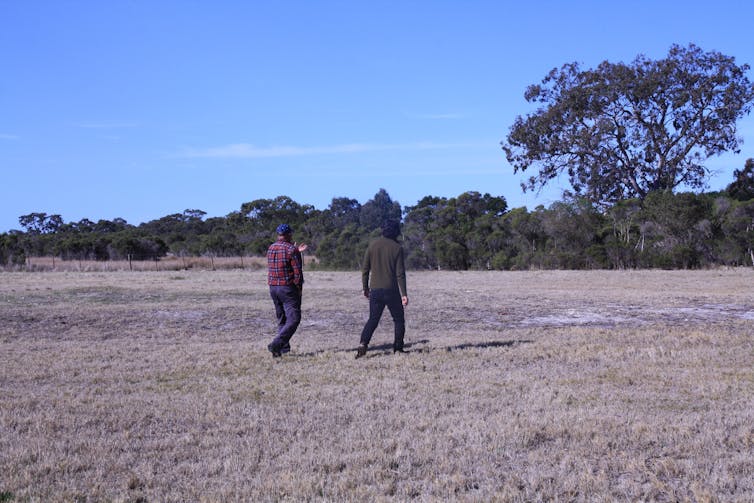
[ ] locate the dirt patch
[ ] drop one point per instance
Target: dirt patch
(627, 315)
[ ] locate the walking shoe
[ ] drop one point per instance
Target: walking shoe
(399, 350)
(285, 349)
(276, 353)
(362, 351)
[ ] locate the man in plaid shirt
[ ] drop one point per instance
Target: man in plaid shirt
(285, 277)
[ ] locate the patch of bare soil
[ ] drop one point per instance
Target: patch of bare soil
(629, 315)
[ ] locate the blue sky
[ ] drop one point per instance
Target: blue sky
(140, 109)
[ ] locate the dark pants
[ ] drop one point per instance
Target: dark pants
(378, 299)
(287, 300)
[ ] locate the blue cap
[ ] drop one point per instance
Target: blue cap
(284, 229)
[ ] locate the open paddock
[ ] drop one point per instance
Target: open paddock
(518, 386)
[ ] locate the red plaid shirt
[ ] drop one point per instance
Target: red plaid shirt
(284, 265)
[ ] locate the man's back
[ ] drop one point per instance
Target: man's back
(283, 264)
(383, 266)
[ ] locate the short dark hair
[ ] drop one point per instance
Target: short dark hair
(391, 228)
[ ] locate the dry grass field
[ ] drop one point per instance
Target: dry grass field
(157, 386)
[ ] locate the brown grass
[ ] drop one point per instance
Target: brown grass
(170, 263)
(519, 386)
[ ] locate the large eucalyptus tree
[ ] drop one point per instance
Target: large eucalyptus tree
(622, 131)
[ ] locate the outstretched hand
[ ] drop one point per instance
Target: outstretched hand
(301, 247)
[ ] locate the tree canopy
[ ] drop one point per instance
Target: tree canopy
(622, 131)
(470, 231)
(742, 187)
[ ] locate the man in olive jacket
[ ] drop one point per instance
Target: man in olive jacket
(383, 276)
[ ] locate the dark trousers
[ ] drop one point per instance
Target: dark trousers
(287, 300)
(378, 299)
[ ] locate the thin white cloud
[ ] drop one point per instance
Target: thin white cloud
(4, 136)
(248, 151)
(106, 125)
(440, 116)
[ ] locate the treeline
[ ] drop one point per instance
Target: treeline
(470, 231)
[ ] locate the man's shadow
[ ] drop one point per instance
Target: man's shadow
(482, 345)
(381, 349)
(386, 349)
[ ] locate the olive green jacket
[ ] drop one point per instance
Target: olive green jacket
(383, 266)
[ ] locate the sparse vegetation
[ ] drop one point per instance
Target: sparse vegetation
(519, 386)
